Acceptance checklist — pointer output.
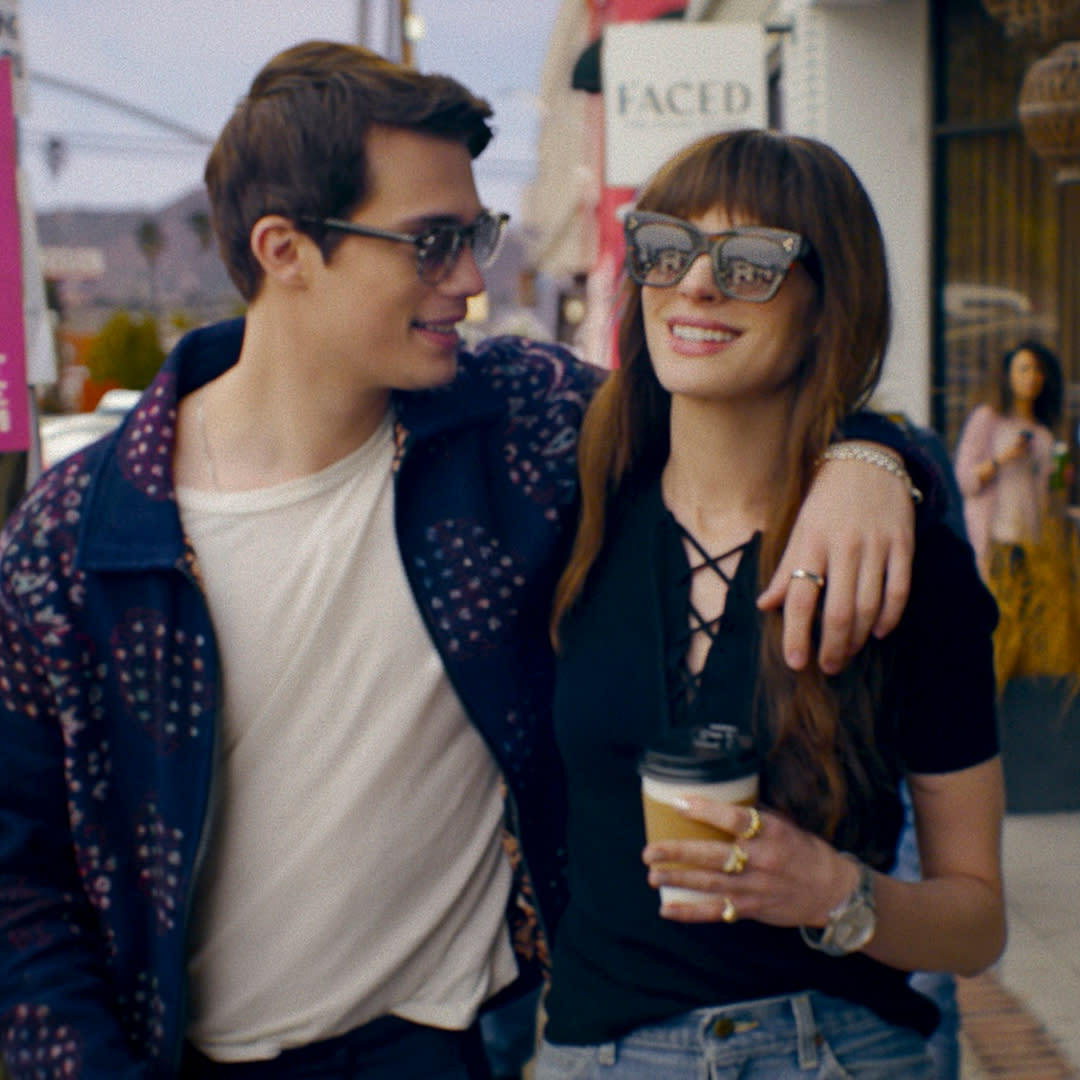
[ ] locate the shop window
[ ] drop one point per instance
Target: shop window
(1006, 232)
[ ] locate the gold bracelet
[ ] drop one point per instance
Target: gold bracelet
(849, 451)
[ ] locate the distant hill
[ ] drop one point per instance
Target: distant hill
(188, 277)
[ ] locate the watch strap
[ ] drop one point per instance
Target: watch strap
(862, 896)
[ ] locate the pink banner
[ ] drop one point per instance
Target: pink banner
(14, 394)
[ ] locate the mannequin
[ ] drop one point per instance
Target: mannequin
(1004, 464)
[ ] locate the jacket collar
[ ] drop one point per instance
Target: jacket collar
(470, 398)
(131, 520)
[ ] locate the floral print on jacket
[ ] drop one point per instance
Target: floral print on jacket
(109, 687)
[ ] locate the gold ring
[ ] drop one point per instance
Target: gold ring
(736, 860)
(754, 827)
(729, 914)
(809, 575)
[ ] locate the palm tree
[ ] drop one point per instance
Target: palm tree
(199, 224)
(151, 241)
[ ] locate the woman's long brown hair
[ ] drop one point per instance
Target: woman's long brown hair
(823, 767)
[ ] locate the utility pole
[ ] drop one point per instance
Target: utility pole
(406, 37)
(380, 25)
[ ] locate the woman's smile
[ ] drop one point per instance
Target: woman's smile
(698, 332)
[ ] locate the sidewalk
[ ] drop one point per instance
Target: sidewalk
(1022, 1019)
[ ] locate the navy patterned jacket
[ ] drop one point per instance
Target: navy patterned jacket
(109, 687)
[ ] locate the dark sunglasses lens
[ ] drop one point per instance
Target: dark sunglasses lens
(750, 267)
(439, 252)
(660, 253)
(442, 246)
(487, 234)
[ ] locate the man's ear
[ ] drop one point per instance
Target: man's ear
(281, 249)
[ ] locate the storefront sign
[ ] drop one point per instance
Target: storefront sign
(668, 83)
(14, 397)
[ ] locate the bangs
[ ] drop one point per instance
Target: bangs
(751, 176)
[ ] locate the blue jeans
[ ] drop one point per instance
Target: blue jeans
(801, 1037)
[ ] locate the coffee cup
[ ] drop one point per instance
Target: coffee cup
(715, 760)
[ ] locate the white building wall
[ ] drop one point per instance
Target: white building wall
(857, 75)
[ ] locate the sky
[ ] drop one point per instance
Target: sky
(190, 61)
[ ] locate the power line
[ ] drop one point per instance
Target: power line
(57, 144)
(107, 144)
(113, 102)
(101, 142)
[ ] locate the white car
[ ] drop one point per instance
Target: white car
(118, 402)
(64, 434)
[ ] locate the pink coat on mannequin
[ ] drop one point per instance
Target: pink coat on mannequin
(1011, 507)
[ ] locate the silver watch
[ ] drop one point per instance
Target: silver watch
(851, 923)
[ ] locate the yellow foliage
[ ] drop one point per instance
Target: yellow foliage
(1037, 589)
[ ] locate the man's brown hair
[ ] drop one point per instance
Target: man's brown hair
(295, 145)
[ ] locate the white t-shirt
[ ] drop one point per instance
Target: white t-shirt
(355, 865)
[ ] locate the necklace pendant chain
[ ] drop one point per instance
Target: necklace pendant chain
(200, 418)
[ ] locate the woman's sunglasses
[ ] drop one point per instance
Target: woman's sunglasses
(749, 262)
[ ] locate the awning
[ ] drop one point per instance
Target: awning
(586, 73)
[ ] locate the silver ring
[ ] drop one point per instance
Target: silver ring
(809, 575)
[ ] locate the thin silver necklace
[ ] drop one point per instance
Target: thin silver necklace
(200, 417)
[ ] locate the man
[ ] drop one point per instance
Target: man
(272, 653)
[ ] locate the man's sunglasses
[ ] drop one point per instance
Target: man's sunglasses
(748, 262)
(438, 248)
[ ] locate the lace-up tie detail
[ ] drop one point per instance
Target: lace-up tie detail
(689, 646)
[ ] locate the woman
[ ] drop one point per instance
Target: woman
(755, 319)
(1005, 456)
(1026, 554)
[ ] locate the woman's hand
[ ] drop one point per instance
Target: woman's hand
(986, 472)
(1019, 448)
(951, 920)
(856, 530)
(788, 877)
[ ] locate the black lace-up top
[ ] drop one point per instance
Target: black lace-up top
(622, 680)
